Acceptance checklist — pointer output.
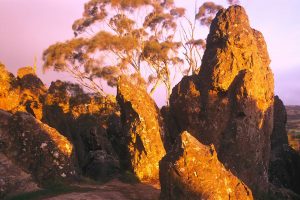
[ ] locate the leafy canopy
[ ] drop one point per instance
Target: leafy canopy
(134, 37)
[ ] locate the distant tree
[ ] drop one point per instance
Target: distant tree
(134, 37)
(192, 44)
(233, 2)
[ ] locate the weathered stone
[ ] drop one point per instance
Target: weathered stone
(84, 120)
(142, 128)
(32, 92)
(285, 161)
(192, 171)
(13, 180)
(9, 98)
(230, 103)
(102, 165)
(170, 127)
(36, 147)
(24, 93)
(23, 71)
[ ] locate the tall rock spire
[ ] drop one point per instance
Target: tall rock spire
(230, 102)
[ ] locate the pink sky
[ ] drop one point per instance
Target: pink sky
(29, 26)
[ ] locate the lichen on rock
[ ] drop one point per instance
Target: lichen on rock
(230, 102)
(142, 128)
(192, 171)
(37, 148)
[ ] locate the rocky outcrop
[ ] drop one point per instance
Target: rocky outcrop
(36, 147)
(13, 179)
(192, 171)
(32, 92)
(9, 97)
(285, 161)
(24, 93)
(84, 119)
(24, 71)
(142, 129)
(230, 103)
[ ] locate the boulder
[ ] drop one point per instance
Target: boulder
(14, 180)
(230, 102)
(142, 129)
(37, 148)
(102, 165)
(285, 161)
(192, 171)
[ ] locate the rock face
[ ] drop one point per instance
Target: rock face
(84, 119)
(13, 179)
(31, 96)
(285, 161)
(24, 71)
(192, 171)
(36, 147)
(142, 129)
(8, 96)
(24, 93)
(230, 103)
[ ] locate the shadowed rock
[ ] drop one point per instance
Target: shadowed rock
(192, 171)
(84, 119)
(230, 103)
(36, 148)
(13, 179)
(142, 130)
(284, 171)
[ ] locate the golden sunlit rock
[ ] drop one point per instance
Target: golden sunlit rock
(192, 170)
(142, 129)
(23, 71)
(38, 148)
(9, 97)
(61, 142)
(230, 103)
(24, 93)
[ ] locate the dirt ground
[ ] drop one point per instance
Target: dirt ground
(113, 190)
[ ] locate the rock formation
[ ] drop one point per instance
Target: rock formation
(8, 96)
(142, 129)
(285, 161)
(24, 93)
(192, 171)
(230, 103)
(32, 92)
(84, 119)
(24, 71)
(36, 147)
(13, 179)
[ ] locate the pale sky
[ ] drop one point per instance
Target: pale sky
(27, 27)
